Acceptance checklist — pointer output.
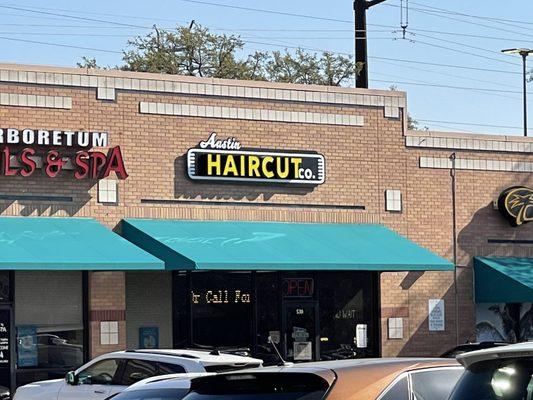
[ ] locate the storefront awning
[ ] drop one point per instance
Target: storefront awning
(210, 245)
(503, 280)
(28, 243)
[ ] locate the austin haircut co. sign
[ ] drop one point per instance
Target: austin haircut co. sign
(224, 160)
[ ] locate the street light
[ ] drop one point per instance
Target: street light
(524, 53)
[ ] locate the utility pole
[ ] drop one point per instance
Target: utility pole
(361, 55)
(524, 53)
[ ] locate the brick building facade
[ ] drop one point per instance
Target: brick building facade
(156, 119)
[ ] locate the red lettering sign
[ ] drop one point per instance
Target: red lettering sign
(86, 164)
(298, 287)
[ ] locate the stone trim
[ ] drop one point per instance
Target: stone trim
(500, 144)
(476, 164)
(108, 82)
(33, 100)
(257, 114)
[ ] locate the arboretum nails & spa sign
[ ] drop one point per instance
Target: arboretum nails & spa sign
(23, 152)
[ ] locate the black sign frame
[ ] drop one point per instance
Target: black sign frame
(313, 171)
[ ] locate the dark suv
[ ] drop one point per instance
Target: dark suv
(500, 373)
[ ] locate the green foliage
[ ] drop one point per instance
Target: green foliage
(195, 51)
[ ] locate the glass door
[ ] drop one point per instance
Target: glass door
(300, 331)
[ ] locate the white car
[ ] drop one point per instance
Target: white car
(167, 387)
(500, 373)
(112, 373)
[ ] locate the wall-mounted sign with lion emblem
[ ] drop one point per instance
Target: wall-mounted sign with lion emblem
(516, 204)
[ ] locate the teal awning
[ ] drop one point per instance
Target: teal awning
(188, 245)
(28, 243)
(503, 280)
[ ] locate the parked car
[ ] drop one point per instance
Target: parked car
(113, 372)
(4, 393)
(167, 387)
(363, 379)
(501, 373)
(466, 347)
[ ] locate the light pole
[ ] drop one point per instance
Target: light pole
(524, 53)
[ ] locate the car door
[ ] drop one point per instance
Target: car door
(96, 382)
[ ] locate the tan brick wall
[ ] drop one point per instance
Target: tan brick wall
(107, 302)
(362, 162)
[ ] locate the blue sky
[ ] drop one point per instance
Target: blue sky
(433, 36)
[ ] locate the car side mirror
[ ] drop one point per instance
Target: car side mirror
(71, 378)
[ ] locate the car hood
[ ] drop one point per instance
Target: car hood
(39, 390)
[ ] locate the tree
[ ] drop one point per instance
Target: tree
(195, 51)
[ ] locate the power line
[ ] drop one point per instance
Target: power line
(73, 17)
(473, 16)
(267, 11)
(470, 124)
(450, 86)
(60, 45)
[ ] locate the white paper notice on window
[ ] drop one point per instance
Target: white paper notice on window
(436, 315)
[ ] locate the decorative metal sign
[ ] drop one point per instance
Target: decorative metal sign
(516, 205)
(224, 160)
(22, 152)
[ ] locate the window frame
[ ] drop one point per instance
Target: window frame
(126, 361)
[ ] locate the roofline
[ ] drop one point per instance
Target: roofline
(115, 73)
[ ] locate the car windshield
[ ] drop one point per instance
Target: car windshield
(262, 386)
(497, 380)
(152, 394)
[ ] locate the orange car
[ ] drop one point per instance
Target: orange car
(367, 379)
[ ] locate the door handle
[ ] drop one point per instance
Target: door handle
(99, 391)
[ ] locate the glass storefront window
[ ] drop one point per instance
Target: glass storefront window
(49, 323)
(268, 316)
(345, 300)
(221, 305)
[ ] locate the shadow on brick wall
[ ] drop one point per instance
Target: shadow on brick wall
(44, 196)
(424, 343)
(185, 188)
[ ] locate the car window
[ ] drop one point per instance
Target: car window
(398, 391)
(101, 373)
(152, 394)
(165, 369)
(137, 370)
(497, 380)
(260, 386)
(435, 384)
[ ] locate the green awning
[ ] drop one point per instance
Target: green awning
(215, 245)
(28, 243)
(503, 280)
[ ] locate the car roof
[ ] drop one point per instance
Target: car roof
(172, 381)
(362, 378)
(518, 350)
(205, 357)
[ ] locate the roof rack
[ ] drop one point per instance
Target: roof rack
(162, 353)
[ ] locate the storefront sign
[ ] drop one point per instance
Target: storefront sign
(224, 160)
(220, 297)
(5, 338)
(516, 205)
(149, 337)
(298, 287)
(27, 346)
(22, 152)
(436, 315)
